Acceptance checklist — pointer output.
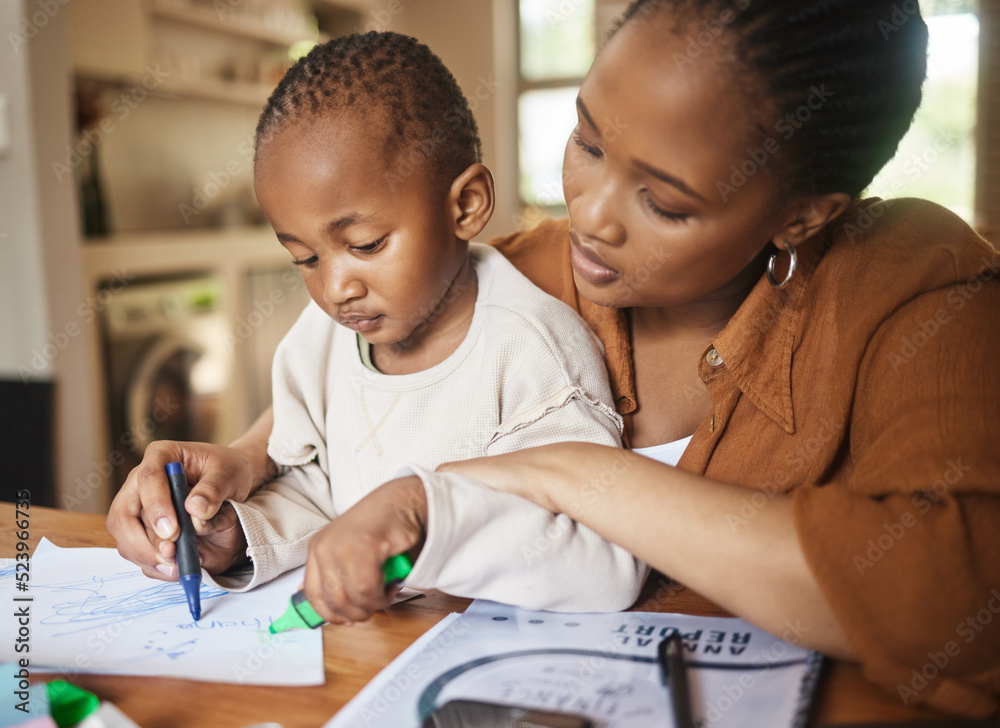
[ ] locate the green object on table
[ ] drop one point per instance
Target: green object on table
(396, 568)
(301, 615)
(69, 704)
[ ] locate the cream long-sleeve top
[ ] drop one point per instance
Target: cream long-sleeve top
(529, 372)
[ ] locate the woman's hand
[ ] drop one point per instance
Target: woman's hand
(551, 476)
(344, 581)
(677, 523)
(221, 544)
(142, 517)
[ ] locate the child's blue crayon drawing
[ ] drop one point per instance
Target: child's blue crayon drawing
(89, 610)
(98, 600)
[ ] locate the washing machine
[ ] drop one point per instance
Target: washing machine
(167, 365)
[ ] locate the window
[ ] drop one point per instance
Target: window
(937, 158)
(557, 41)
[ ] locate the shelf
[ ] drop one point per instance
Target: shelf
(232, 24)
(178, 251)
(230, 92)
(248, 94)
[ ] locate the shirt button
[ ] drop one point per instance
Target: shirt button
(713, 358)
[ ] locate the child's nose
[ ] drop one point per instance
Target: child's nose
(341, 286)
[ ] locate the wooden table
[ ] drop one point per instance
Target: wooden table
(354, 655)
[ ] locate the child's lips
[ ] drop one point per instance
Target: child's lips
(360, 322)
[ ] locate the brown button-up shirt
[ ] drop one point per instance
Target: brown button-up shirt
(868, 388)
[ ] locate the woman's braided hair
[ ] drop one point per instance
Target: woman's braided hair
(389, 77)
(868, 59)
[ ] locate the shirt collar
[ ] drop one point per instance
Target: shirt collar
(757, 344)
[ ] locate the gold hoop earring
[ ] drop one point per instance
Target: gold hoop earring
(793, 261)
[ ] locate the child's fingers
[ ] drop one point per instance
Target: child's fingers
(224, 520)
(365, 588)
(328, 588)
(329, 600)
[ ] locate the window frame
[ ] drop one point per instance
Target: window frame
(530, 210)
(987, 137)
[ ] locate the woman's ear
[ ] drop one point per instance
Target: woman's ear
(471, 201)
(809, 215)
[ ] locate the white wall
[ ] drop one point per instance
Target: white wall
(23, 305)
(476, 41)
(42, 332)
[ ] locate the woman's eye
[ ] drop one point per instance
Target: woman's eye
(587, 148)
(370, 247)
(675, 216)
(308, 262)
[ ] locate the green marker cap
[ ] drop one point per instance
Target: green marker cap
(300, 613)
(396, 568)
(69, 704)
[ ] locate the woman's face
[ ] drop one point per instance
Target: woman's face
(655, 216)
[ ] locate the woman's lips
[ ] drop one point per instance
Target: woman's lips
(589, 264)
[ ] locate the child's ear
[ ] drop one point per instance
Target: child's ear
(471, 201)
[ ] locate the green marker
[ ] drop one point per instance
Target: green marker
(300, 613)
(69, 704)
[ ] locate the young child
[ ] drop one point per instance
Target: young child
(418, 347)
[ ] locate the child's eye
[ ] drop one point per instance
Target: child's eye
(587, 148)
(675, 216)
(370, 247)
(308, 262)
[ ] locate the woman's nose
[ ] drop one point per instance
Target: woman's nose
(596, 210)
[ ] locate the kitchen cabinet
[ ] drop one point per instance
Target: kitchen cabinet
(168, 92)
(108, 38)
(228, 50)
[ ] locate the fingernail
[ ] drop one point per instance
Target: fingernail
(165, 569)
(199, 503)
(164, 528)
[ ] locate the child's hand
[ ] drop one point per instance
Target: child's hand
(344, 581)
(142, 516)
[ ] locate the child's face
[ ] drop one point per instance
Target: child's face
(377, 253)
(657, 215)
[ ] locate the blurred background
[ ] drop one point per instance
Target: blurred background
(141, 292)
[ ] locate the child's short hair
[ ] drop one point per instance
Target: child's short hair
(393, 76)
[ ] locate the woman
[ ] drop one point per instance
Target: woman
(829, 368)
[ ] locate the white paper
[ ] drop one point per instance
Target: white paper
(602, 666)
(93, 611)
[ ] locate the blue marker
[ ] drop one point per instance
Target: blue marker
(188, 566)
